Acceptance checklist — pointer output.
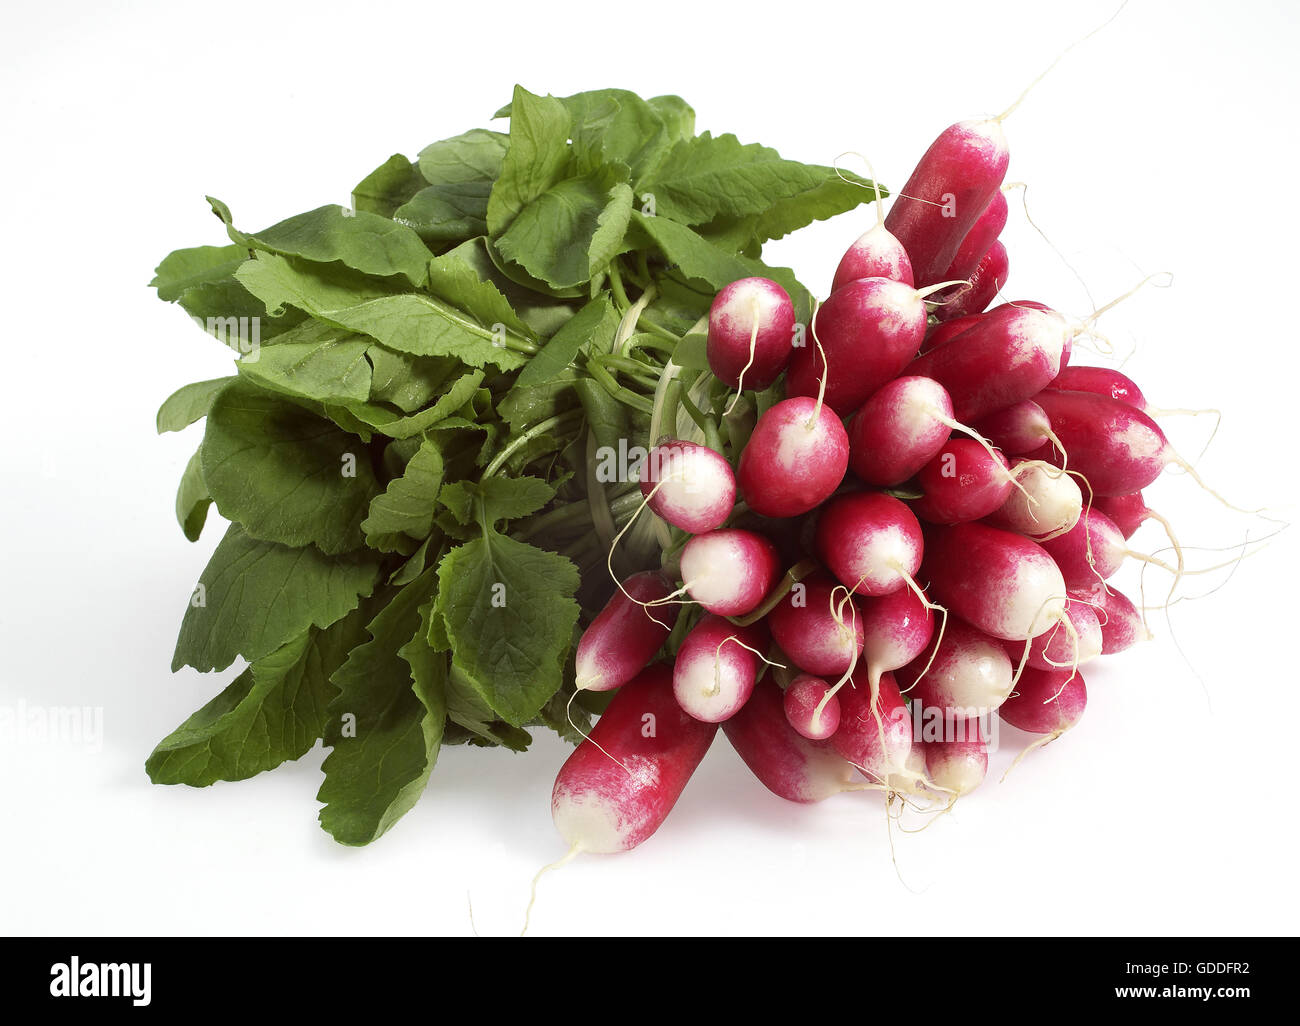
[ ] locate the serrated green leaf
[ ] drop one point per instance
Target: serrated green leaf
(455, 279)
(395, 425)
(255, 596)
(333, 369)
(408, 504)
(534, 159)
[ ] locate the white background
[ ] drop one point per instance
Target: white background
(1166, 142)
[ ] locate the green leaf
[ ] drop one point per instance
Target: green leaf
(192, 499)
(454, 279)
(408, 504)
(676, 114)
(535, 158)
(272, 713)
(539, 311)
(332, 369)
(466, 708)
(360, 240)
(459, 172)
(395, 425)
(255, 596)
(568, 234)
(410, 322)
(183, 269)
(509, 613)
(473, 156)
(287, 475)
(409, 382)
(496, 498)
(597, 320)
(386, 188)
(189, 404)
(383, 733)
(833, 196)
(617, 126)
(706, 177)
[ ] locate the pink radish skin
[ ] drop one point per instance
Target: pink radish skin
(1002, 583)
(625, 635)
(1116, 447)
(696, 488)
(1057, 501)
(871, 541)
(1033, 304)
(715, 669)
(788, 765)
(730, 571)
(947, 330)
(809, 632)
(1055, 649)
(1033, 708)
(1093, 549)
(868, 329)
(971, 674)
(1101, 381)
(988, 279)
(950, 188)
(896, 629)
(1129, 512)
(979, 240)
(962, 482)
(602, 805)
(898, 430)
(1121, 623)
(794, 460)
(731, 326)
(878, 748)
(1006, 356)
(876, 254)
(1019, 428)
(801, 700)
(957, 767)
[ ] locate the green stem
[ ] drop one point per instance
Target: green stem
(624, 395)
(540, 428)
(616, 284)
(658, 329)
(644, 374)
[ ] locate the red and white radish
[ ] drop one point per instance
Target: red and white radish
(875, 254)
(790, 766)
(818, 625)
(1017, 429)
(729, 571)
(1058, 648)
(871, 541)
(1120, 621)
(810, 707)
(716, 668)
(966, 673)
(938, 334)
(795, 458)
(984, 284)
(751, 333)
(1128, 512)
(898, 430)
(1093, 549)
(979, 240)
(618, 786)
(1046, 701)
(1002, 583)
(945, 195)
(876, 737)
(957, 767)
(964, 481)
(688, 485)
(1100, 381)
(1047, 503)
(626, 634)
(896, 628)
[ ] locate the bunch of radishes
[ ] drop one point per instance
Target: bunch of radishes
(961, 496)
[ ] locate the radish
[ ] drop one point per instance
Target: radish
(818, 626)
(617, 787)
(876, 254)
(1100, 381)
(716, 668)
(979, 240)
(1128, 512)
(1008, 355)
(795, 458)
(864, 334)
(957, 767)
(1092, 550)
(896, 629)
(969, 674)
(1019, 428)
(987, 280)
(751, 333)
(688, 485)
(1056, 648)
(729, 571)
(1048, 502)
(899, 429)
(625, 635)
(876, 737)
(1115, 447)
(788, 765)
(950, 188)
(964, 481)
(1046, 702)
(871, 541)
(806, 711)
(1121, 623)
(1002, 583)
(938, 334)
